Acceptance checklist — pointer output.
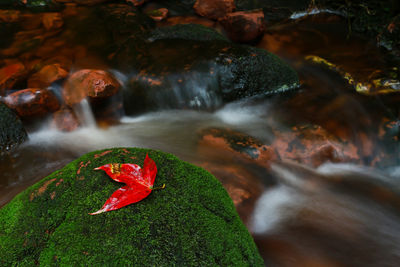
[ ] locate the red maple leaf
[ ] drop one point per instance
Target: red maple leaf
(139, 183)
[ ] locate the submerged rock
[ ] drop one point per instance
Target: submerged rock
(12, 132)
(65, 120)
(190, 222)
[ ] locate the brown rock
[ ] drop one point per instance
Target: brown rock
(46, 76)
(92, 83)
(32, 102)
(313, 146)
(52, 21)
(158, 14)
(65, 120)
(238, 145)
(244, 26)
(11, 74)
(214, 9)
(10, 16)
(136, 2)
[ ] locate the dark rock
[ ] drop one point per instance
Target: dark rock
(294, 5)
(46, 76)
(214, 9)
(182, 73)
(32, 102)
(192, 32)
(177, 7)
(91, 83)
(12, 132)
(244, 26)
(10, 75)
(65, 120)
(191, 222)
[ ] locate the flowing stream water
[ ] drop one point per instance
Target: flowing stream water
(336, 214)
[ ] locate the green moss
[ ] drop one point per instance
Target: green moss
(192, 222)
(12, 131)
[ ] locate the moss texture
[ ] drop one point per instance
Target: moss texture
(12, 131)
(192, 222)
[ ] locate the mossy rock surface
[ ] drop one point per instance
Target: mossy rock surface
(12, 131)
(192, 222)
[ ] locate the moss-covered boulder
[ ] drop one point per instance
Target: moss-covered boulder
(12, 131)
(191, 66)
(192, 222)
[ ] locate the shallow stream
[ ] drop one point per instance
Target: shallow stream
(332, 214)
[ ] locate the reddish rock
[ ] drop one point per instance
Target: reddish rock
(10, 16)
(52, 21)
(11, 74)
(92, 83)
(238, 145)
(46, 76)
(136, 2)
(313, 146)
(244, 26)
(214, 9)
(32, 102)
(158, 14)
(65, 120)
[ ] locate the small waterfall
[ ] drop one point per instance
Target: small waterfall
(85, 114)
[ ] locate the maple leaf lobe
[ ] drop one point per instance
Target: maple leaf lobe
(139, 183)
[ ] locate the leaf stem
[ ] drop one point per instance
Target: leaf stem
(158, 188)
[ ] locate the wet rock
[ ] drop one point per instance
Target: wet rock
(65, 120)
(177, 7)
(12, 132)
(32, 102)
(136, 2)
(193, 19)
(244, 26)
(91, 83)
(10, 16)
(158, 14)
(238, 144)
(182, 72)
(192, 32)
(46, 76)
(191, 221)
(52, 21)
(214, 9)
(293, 5)
(312, 145)
(10, 75)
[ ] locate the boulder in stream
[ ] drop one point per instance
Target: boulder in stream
(12, 131)
(191, 222)
(192, 66)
